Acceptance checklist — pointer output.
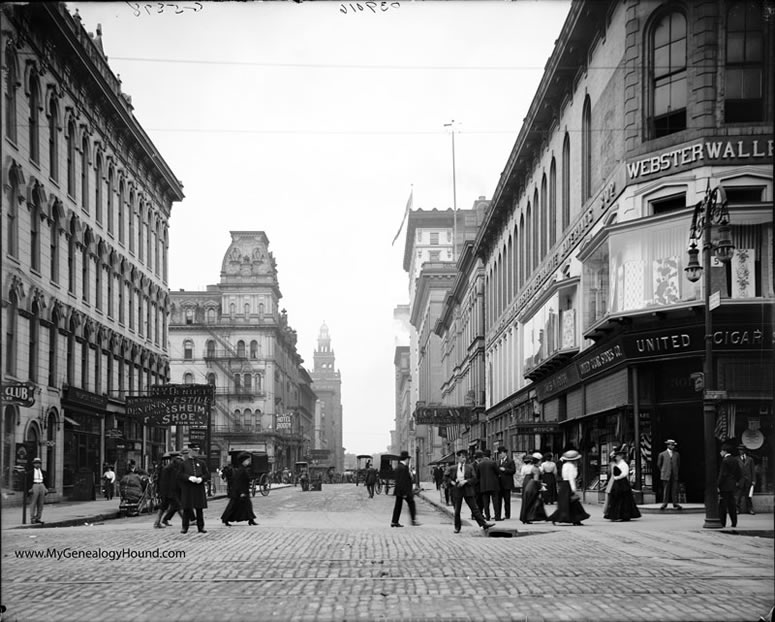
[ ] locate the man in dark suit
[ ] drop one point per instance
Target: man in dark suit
(488, 484)
(462, 478)
(192, 476)
(37, 479)
(169, 489)
(403, 491)
(748, 470)
(729, 475)
(506, 469)
(669, 464)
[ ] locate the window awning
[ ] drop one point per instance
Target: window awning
(71, 421)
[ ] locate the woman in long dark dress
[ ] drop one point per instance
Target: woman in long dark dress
(240, 506)
(532, 506)
(621, 502)
(569, 508)
(549, 479)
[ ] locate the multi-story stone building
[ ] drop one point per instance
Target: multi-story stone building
(85, 208)
(236, 337)
(595, 335)
(402, 436)
(327, 383)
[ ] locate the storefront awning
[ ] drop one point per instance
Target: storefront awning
(448, 459)
(71, 421)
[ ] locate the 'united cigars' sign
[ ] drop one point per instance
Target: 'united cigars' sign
(173, 404)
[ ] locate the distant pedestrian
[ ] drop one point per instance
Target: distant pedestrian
(478, 456)
(169, 489)
(569, 508)
(621, 502)
(745, 489)
(108, 482)
(532, 508)
(462, 478)
(403, 491)
(729, 477)
(525, 469)
(488, 485)
(506, 470)
(192, 476)
(37, 489)
(371, 480)
(240, 507)
(549, 479)
(669, 465)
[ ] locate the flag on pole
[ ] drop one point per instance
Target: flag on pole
(406, 213)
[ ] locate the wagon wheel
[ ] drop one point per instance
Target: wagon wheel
(264, 485)
(252, 488)
(378, 487)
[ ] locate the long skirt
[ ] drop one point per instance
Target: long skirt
(532, 507)
(550, 481)
(569, 508)
(238, 509)
(621, 503)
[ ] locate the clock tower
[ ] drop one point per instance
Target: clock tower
(326, 382)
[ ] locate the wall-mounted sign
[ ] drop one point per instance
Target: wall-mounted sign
(74, 395)
(19, 393)
(442, 415)
(163, 412)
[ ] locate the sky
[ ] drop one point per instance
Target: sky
(314, 122)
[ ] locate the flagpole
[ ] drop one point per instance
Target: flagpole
(451, 124)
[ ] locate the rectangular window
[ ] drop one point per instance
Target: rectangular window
(434, 238)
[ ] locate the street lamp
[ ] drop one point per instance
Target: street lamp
(710, 212)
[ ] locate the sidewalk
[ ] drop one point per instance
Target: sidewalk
(72, 513)
(691, 518)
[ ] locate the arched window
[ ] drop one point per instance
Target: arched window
(210, 348)
(744, 70)
(98, 189)
(85, 271)
(110, 281)
(237, 385)
(254, 349)
(71, 158)
(522, 253)
(140, 238)
(529, 241)
(552, 203)
(85, 364)
(71, 247)
(34, 338)
(247, 310)
(241, 349)
(12, 233)
(70, 356)
(149, 241)
(109, 206)
(156, 244)
(668, 75)
(85, 174)
(211, 316)
(188, 350)
(211, 379)
(54, 246)
(121, 201)
(586, 150)
(10, 335)
(238, 417)
(35, 232)
(11, 84)
(544, 216)
(53, 349)
(131, 214)
(536, 226)
(566, 182)
(34, 124)
(53, 138)
(246, 379)
(188, 378)
(98, 272)
(259, 382)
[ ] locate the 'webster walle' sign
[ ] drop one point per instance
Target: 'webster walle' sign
(715, 150)
(173, 404)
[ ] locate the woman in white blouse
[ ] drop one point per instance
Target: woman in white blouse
(621, 503)
(569, 508)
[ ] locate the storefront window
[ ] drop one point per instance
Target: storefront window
(551, 329)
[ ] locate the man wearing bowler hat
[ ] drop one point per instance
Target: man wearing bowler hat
(38, 491)
(729, 476)
(506, 470)
(462, 478)
(403, 491)
(669, 464)
(745, 489)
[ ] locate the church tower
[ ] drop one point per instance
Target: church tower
(327, 385)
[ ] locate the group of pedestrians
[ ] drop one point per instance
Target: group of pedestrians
(183, 489)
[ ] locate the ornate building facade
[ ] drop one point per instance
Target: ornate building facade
(235, 337)
(327, 384)
(594, 334)
(86, 201)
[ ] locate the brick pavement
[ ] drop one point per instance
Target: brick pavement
(334, 557)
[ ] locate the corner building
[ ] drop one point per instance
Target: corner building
(594, 335)
(235, 337)
(86, 201)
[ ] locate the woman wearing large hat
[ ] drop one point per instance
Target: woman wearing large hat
(621, 502)
(532, 506)
(569, 508)
(240, 506)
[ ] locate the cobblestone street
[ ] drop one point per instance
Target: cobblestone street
(331, 555)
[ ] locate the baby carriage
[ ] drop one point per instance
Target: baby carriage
(137, 495)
